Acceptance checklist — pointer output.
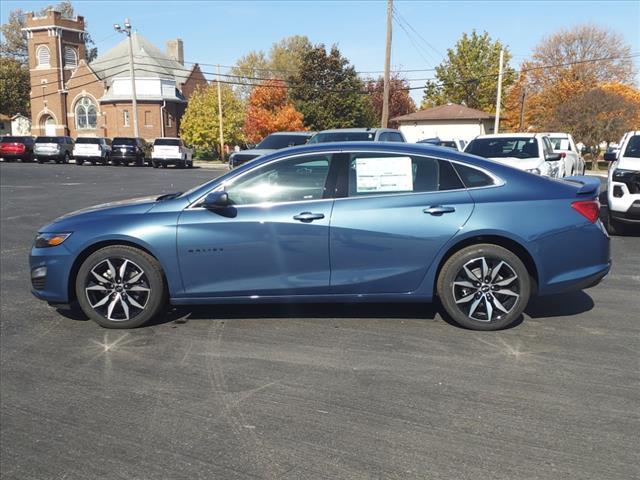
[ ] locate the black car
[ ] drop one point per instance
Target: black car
(126, 150)
(16, 148)
(59, 149)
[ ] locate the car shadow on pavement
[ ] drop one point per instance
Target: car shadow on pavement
(562, 305)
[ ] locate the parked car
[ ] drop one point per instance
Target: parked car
(270, 143)
(59, 149)
(531, 152)
(171, 151)
(16, 148)
(623, 184)
(455, 143)
(358, 135)
(572, 161)
(344, 221)
(92, 149)
(126, 150)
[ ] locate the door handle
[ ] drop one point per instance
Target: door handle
(438, 210)
(308, 217)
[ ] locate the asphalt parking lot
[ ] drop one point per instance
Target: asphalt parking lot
(306, 391)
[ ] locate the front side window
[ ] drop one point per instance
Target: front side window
(291, 180)
(372, 173)
(86, 114)
(633, 147)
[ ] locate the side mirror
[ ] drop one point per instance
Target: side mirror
(553, 157)
(216, 200)
(610, 157)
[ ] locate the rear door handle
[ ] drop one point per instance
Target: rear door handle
(438, 210)
(308, 217)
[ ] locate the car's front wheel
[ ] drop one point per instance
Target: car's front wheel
(484, 287)
(121, 287)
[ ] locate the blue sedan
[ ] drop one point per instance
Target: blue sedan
(340, 222)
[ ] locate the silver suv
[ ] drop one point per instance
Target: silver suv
(59, 149)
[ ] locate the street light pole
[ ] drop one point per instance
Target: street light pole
(134, 101)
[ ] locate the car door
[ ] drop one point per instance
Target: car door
(272, 240)
(397, 212)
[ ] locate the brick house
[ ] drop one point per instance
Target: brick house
(72, 97)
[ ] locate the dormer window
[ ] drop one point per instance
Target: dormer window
(70, 57)
(43, 56)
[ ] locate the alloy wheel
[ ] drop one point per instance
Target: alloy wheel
(486, 289)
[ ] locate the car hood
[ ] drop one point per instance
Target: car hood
(629, 163)
(519, 163)
(133, 205)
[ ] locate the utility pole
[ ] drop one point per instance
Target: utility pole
(127, 31)
(522, 97)
(387, 63)
(220, 117)
(496, 125)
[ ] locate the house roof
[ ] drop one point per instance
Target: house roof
(148, 61)
(450, 111)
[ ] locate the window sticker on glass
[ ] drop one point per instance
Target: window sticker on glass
(386, 174)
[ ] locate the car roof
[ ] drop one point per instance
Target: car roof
(556, 134)
(302, 134)
(365, 130)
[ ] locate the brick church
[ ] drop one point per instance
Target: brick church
(72, 97)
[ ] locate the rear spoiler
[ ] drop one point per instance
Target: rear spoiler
(588, 185)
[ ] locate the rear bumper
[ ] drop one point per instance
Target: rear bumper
(169, 161)
(15, 156)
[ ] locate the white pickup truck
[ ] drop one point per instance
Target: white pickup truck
(171, 151)
(572, 162)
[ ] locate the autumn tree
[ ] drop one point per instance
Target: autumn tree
(400, 102)
(329, 93)
(469, 75)
(14, 87)
(199, 125)
(269, 110)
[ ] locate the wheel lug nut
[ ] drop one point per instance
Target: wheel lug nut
(478, 295)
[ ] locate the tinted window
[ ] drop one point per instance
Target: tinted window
(633, 147)
(372, 173)
(560, 143)
(124, 141)
(89, 140)
(292, 180)
(449, 144)
(343, 137)
(50, 140)
(276, 142)
(504, 147)
(174, 142)
(473, 177)
(14, 140)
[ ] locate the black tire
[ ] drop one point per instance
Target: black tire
(40, 160)
(29, 158)
(153, 302)
(66, 158)
(115, 162)
(613, 226)
(79, 161)
(486, 295)
(164, 165)
(154, 164)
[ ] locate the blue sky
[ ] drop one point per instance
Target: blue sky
(221, 32)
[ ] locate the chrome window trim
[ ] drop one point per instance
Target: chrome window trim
(498, 182)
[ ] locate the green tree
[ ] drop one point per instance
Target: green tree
(199, 126)
(469, 75)
(328, 92)
(14, 87)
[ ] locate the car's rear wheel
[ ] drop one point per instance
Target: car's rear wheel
(79, 161)
(484, 287)
(121, 287)
(613, 226)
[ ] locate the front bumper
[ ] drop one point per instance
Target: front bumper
(631, 215)
(56, 262)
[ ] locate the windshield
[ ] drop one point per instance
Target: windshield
(633, 147)
(560, 143)
(49, 140)
(173, 142)
(124, 141)
(343, 137)
(504, 147)
(87, 140)
(276, 142)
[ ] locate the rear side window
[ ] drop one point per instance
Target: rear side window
(390, 137)
(472, 177)
(374, 174)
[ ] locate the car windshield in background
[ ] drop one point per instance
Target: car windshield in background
(343, 137)
(633, 147)
(172, 142)
(504, 147)
(87, 140)
(49, 140)
(124, 141)
(12, 140)
(560, 143)
(449, 145)
(276, 142)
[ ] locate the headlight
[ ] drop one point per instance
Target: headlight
(620, 175)
(45, 240)
(534, 170)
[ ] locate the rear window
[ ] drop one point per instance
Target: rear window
(504, 147)
(471, 177)
(124, 141)
(343, 137)
(50, 140)
(13, 139)
(173, 142)
(276, 142)
(88, 140)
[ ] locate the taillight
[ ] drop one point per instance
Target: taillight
(563, 155)
(589, 209)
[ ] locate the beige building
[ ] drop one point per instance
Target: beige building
(72, 97)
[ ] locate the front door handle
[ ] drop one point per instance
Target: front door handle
(308, 217)
(438, 210)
